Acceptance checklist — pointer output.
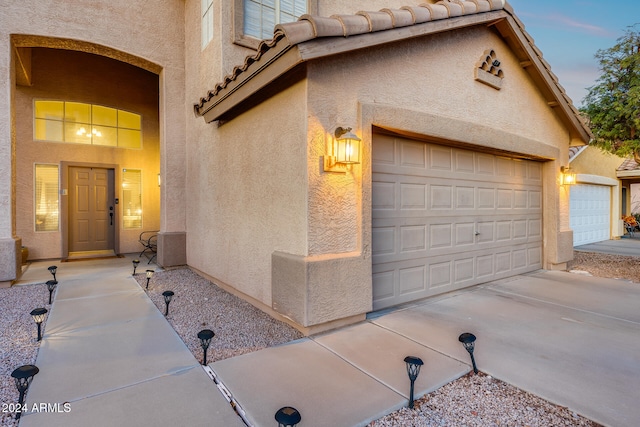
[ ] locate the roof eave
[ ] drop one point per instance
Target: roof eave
(279, 56)
(540, 71)
(253, 78)
(635, 173)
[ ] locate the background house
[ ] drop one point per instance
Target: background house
(463, 130)
(629, 174)
(598, 197)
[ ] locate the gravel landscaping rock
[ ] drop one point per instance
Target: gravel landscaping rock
(482, 401)
(606, 265)
(199, 304)
(18, 338)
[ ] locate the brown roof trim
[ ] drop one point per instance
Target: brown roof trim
(305, 40)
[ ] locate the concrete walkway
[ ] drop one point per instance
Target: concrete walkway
(109, 352)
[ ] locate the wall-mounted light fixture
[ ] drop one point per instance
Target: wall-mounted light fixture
(346, 151)
(567, 176)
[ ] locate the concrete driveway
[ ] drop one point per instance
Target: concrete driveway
(568, 338)
(571, 339)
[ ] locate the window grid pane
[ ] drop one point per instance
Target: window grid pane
(79, 123)
(207, 21)
(132, 198)
(46, 198)
(261, 16)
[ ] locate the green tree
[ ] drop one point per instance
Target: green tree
(612, 105)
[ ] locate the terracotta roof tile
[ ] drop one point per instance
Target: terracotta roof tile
(629, 165)
(400, 17)
(574, 151)
(310, 27)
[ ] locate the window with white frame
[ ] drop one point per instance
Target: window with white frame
(207, 21)
(132, 198)
(261, 16)
(46, 197)
(80, 123)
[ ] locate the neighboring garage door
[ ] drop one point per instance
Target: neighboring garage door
(445, 218)
(590, 217)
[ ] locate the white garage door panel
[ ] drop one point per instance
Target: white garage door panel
(590, 217)
(446, 218)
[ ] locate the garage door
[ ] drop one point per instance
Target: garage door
(590, 213)
(445, 218)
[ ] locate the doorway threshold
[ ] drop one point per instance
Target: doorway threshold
(110, 253)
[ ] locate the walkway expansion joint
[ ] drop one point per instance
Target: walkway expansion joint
(227, 395)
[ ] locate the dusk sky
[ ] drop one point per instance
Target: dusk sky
(569, 32)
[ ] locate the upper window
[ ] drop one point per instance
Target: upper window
(261, 16)
(80, 123)
(206, 7)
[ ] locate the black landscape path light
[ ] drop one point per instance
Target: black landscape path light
(135, 265)
(51, 286)
(205, 336)
(469, 341)
(38, 315)
(167, 299)
(288, 417)
(413, 370)
(23, 376)
(53, 270)
(149, 276)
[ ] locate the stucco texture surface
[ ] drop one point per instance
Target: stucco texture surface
(248, 193)
(593, 161)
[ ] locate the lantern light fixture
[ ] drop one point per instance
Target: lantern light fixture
(135, 263)
(205, 337)
(288, 417)
(167, 299)
(149, 276)
(23, 376)
(346, 151)
(51, 286)
(469, 341)
(567, 176)
(38, 315)
(413, 370)
(53, 270)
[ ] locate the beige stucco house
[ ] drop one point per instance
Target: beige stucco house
(227, 144)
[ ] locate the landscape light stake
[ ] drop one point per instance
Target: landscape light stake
(413, 370)
(38, 315)
(149, 276)
(205, 336)
(167, 299)
(53, 270)
(288, 417)
(135, 265)
(23, 376)
(51, 286)
(469, 341)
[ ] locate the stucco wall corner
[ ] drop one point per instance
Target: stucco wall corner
(172, 249)
(564, 251)
(10, 259)
(318, 290)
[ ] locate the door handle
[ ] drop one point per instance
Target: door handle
(477, 233)
(111, 218)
